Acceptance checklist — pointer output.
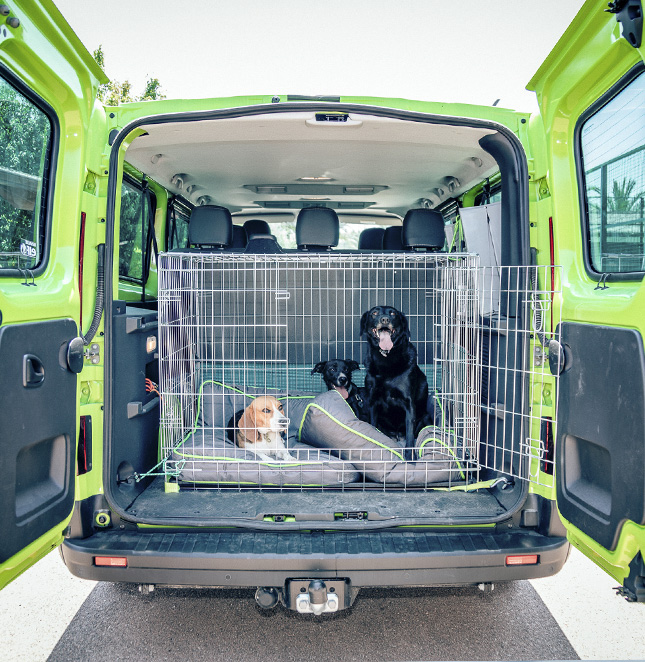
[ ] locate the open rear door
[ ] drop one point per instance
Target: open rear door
(48, 85)
(591, 91)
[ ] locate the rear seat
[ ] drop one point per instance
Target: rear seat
(371, 239)
(240, 237)
(392, 239)
(256, 226)
(260, 238)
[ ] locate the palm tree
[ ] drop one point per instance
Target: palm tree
(623, 200)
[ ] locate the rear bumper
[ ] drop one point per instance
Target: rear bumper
(371, 559)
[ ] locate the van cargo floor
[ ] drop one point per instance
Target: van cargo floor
(204, 504)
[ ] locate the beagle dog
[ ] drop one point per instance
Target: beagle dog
(260, 429)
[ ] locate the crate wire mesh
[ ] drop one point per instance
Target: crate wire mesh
(260, 323)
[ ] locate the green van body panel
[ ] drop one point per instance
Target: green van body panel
(45, 54)
(587, 61)
(48, 57)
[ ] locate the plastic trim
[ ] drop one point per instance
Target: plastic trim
(233, 559)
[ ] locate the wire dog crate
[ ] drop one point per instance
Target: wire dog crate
(237, 325)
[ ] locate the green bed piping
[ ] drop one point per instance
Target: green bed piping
(345, 427)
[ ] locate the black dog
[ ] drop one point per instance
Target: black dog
(337, 374)
(396, 387)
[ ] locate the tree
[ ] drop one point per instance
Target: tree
(115, 93)
(25, 132)
(623, 199)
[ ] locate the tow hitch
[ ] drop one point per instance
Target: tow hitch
(309, 596)
(317, 598)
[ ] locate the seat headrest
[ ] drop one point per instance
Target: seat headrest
(239, 237)
(392, 239)
(263, 243)
(317, 228)
(371, 239)
(256, 226)
(210, 225)
(423, 228)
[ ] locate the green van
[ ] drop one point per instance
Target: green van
(165, 263)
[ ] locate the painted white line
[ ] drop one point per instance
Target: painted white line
(598, 623)
(36, 609)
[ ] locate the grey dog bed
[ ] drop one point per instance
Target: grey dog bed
(330, 423)
(207, 455)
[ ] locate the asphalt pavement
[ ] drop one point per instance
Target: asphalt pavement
(49, 615)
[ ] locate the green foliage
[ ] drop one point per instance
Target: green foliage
(25, 132)
(130, 253)
(115, 93)
(152, 91)
(623, 199)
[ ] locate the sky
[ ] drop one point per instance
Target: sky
(470, 51)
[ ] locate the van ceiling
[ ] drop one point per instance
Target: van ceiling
(223, 161)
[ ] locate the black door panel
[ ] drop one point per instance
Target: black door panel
(601, 430)
(37, 431)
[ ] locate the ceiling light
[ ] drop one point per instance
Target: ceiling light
(359, 190)
(271, 189)
(316, 179)
(312, 197)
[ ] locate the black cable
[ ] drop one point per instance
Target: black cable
(98, 304)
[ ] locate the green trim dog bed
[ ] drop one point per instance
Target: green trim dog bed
(207, 456)
(330, 423)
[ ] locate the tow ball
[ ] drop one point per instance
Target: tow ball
(308, 596)
(317, 600)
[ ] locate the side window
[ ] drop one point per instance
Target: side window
(612, 143)
(134, 232)
(178, 219)
(25, 139)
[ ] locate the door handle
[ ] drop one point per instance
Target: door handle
(33, 371)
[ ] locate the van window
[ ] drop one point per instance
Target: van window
(613, 158)
(348, 234)
(178, 219)
(134, 235)
(25, 134)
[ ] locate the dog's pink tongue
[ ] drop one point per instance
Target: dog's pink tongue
(385, 340)
(342, 391)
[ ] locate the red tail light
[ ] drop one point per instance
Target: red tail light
(522, 559)
(112, 561)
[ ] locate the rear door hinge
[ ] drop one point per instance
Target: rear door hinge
(629, 14)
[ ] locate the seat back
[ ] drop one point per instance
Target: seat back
(393, 240)
(371, 239)
(256, 226)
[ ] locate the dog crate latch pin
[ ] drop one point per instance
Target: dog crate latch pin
(282, 295)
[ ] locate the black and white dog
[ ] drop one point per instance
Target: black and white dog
(337, 375)
(397, 389)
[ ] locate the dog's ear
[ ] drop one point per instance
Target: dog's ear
(364, 319)
(352, 365)
(319, 367)
(233, 424)
(404, 324)
(247, 424)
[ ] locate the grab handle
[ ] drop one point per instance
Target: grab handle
(33, 371)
